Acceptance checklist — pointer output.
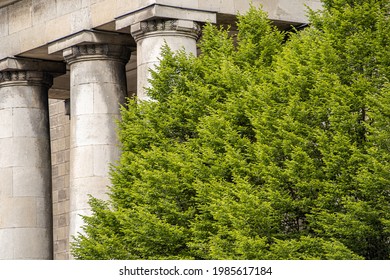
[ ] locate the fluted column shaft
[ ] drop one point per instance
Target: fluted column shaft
(25, 166)
(151, 36)
(98, 87)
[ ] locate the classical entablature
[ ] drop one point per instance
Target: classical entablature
(93, 53)
(27, 27)
(36, 28)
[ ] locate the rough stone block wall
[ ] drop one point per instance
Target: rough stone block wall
(59, 133)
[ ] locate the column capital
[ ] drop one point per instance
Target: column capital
(26, 71)
(28, 78)
(161, 11)
(86, 52)
(161, 27)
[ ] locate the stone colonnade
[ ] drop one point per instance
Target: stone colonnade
(97, 88)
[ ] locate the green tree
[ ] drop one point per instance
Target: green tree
(264, 148)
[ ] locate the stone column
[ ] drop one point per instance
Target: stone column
(25, 167)
(98, 87)
(151, 36)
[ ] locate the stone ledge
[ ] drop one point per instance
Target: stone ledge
(89, 37)
(55, 68)
(163, 12)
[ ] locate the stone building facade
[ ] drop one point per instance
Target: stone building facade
(65, 66)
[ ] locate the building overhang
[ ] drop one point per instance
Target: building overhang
(26, 64)
(89, 37)
(163, 12)
(4, 3)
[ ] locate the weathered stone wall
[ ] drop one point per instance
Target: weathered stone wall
(27, 26)
(59, 133)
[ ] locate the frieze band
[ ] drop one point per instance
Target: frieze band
(29, 77)
(143, 28)
(96, 51)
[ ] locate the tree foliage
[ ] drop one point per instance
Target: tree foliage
(260, 148)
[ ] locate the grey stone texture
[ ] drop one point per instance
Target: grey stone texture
(60, 151)
(97, 89)
(25, 167)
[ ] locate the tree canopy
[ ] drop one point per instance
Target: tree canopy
(268, 145)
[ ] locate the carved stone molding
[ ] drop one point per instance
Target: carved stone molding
(96, 52)
(164, 27)
(21, 77)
